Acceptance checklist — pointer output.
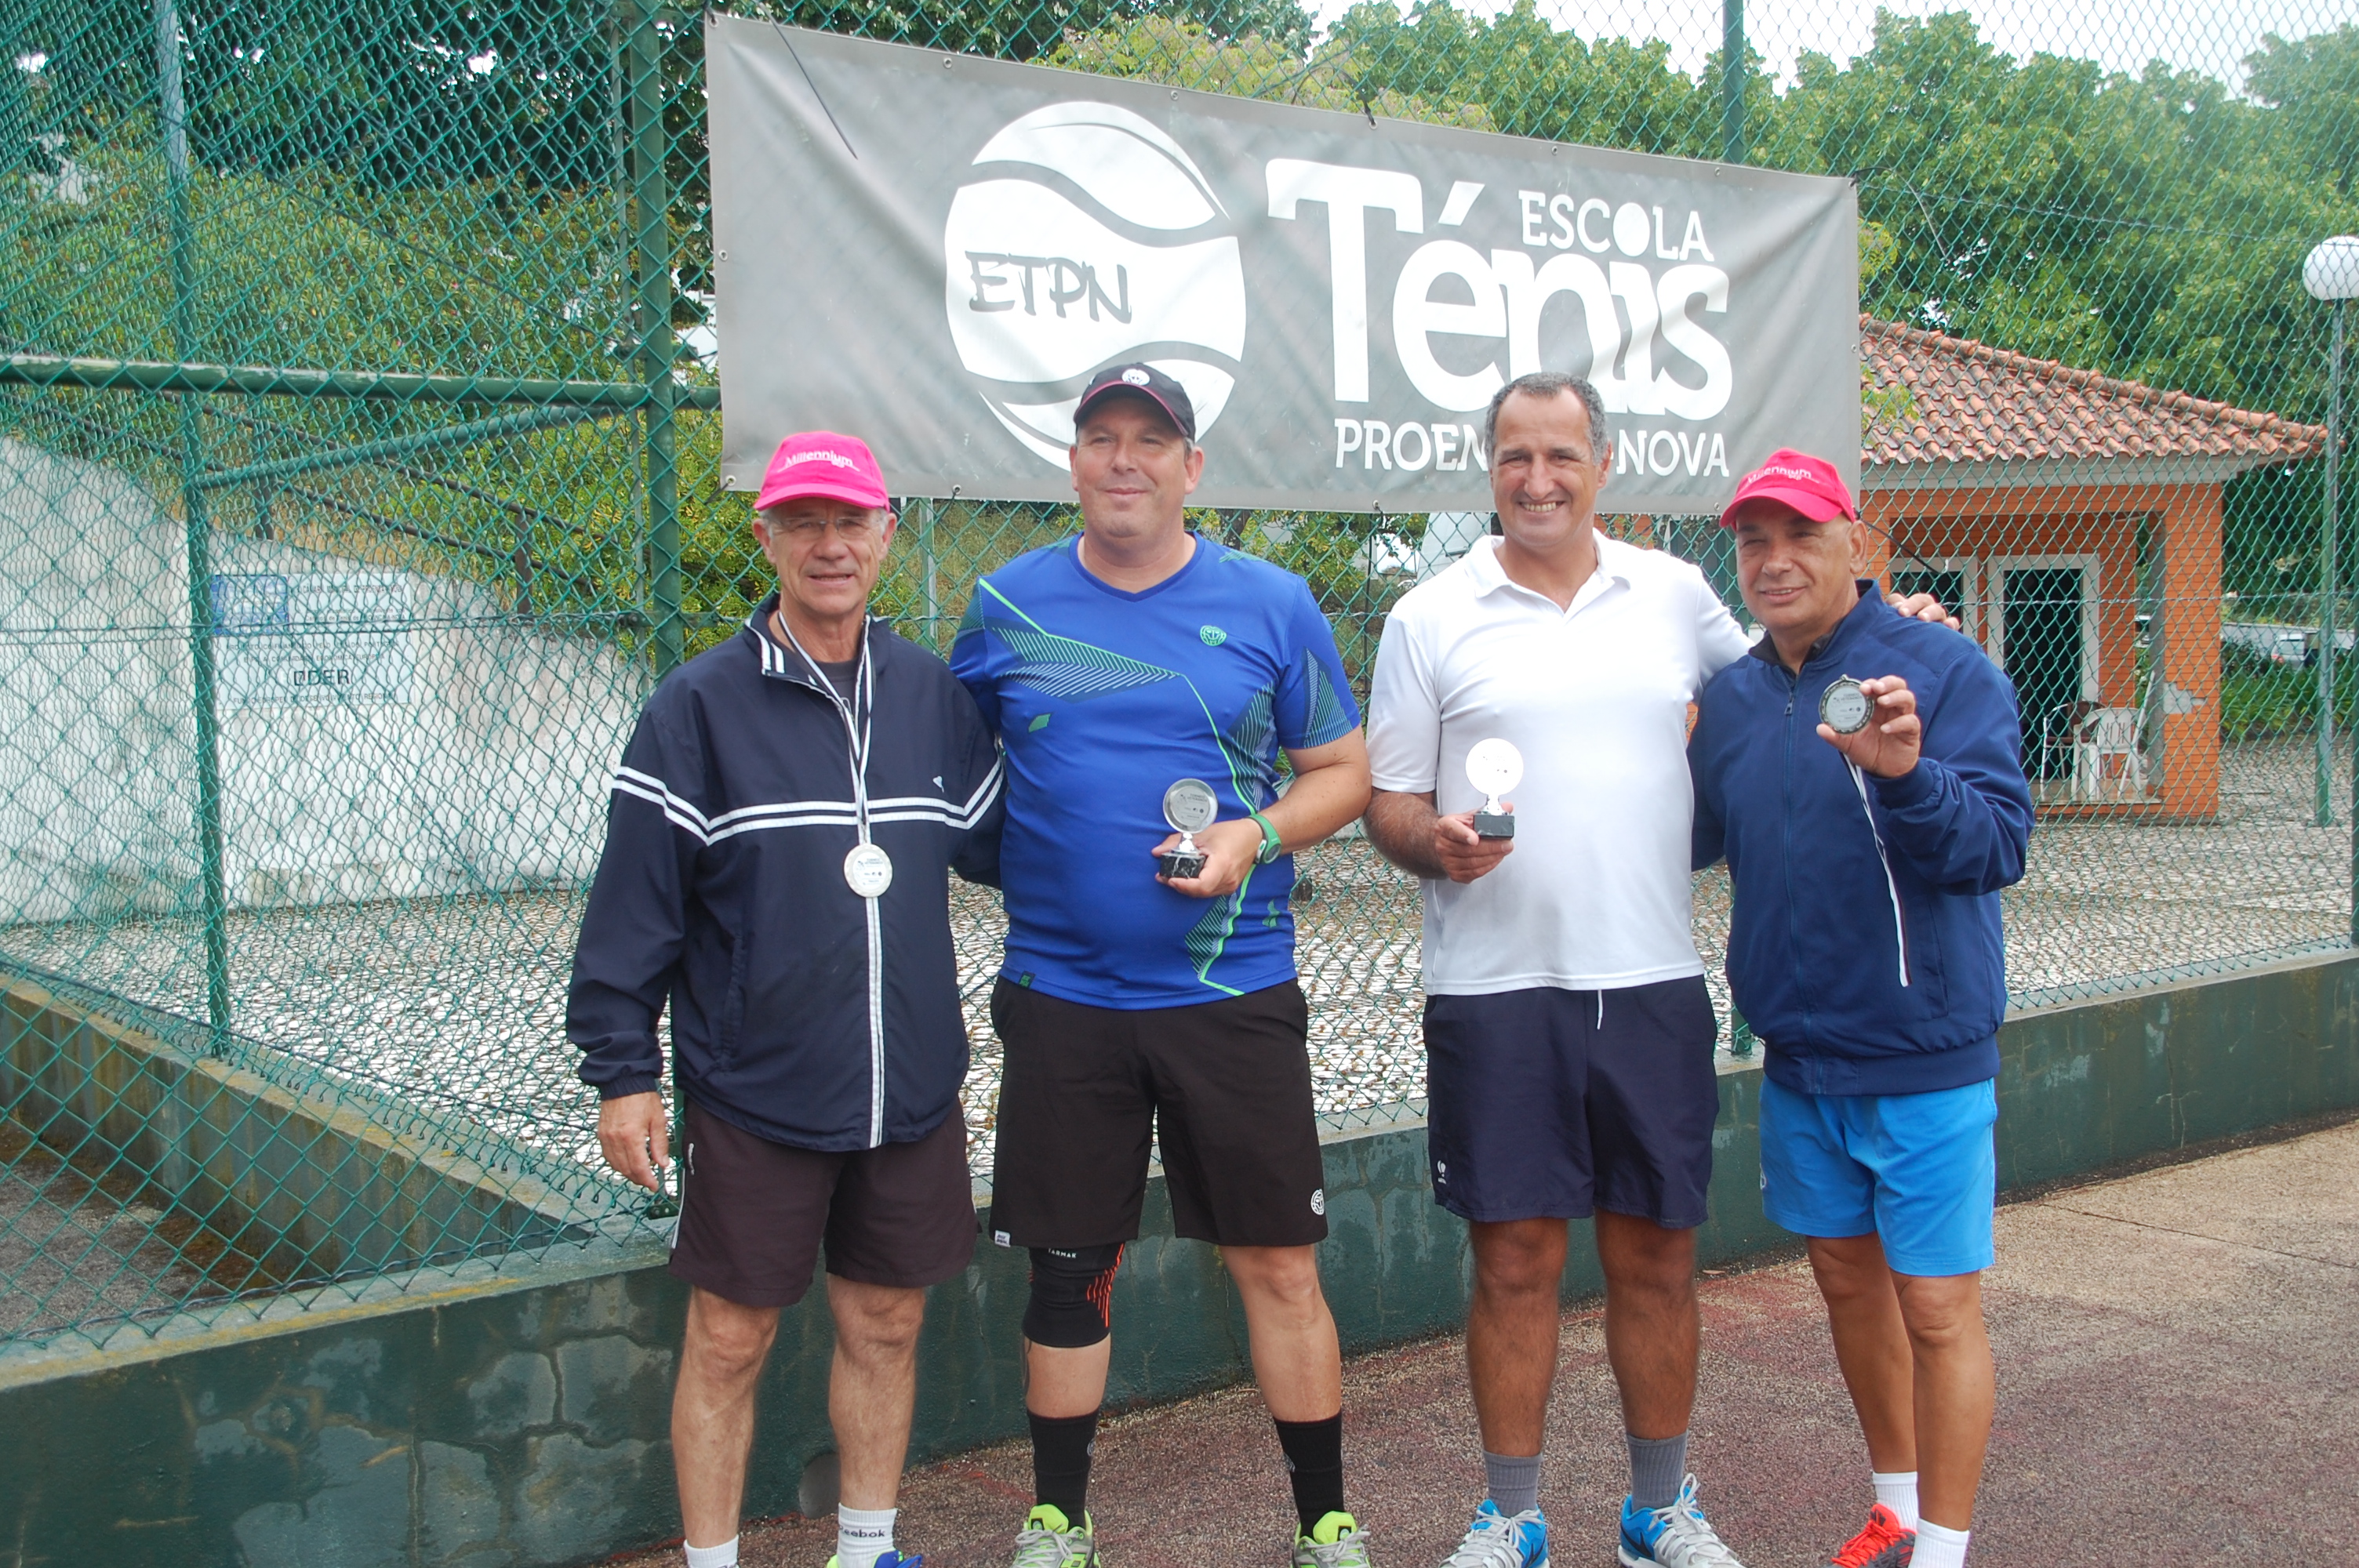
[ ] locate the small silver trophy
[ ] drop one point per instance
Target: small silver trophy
(1188, 806)
(1844, 707)
(1494, 767)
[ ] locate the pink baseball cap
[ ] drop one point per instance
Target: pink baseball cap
(1808, 484)
(821, 463)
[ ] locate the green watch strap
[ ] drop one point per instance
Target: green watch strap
(1270, 839)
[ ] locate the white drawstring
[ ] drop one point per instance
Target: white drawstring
(1899, 931)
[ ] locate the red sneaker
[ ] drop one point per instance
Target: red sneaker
(1883, 1544)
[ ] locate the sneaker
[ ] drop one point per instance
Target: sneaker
(1335, 1541)
(1048, 1539)
(1501, 1541)
(1883, 1544)
(891, 1560)
(1674, 1537)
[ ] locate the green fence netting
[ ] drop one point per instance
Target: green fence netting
(358, 444)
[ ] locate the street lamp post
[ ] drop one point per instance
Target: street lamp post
(2331, 272)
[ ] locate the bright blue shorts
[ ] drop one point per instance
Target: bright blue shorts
(1919, 1171)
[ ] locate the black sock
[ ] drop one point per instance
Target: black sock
(1060, 1461)
(1314, 1463)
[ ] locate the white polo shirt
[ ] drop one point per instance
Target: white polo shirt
(1596, 894)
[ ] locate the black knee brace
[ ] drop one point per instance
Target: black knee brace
(1072, 1296)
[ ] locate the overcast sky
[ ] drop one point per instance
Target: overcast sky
(2198, 34)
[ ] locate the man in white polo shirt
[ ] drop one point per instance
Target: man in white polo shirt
(1569, 1035)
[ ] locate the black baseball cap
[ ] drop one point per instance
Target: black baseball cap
(1144, 381)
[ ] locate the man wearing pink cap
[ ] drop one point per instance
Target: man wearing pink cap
(1569, 1035)
(780, 844)
(1862, 775)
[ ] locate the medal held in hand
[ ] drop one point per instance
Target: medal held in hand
(1190, 807)
(1494, 767)
(1844, 707)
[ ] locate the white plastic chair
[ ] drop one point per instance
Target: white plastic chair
(2108, 732)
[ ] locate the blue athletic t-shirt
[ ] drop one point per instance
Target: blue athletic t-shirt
(1103, 700)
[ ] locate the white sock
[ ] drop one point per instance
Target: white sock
(863, 1535)
(722, 1556)
(1896, 1490)
(1938, 1546)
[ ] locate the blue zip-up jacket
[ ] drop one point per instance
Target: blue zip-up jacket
(800, 1012)
(1865, 949)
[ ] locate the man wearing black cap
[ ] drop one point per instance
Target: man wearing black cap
(1144, 1002)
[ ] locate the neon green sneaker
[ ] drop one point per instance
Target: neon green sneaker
(1049, 1539)
(1335, 1541)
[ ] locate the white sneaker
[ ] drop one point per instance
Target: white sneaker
(1674, 1537)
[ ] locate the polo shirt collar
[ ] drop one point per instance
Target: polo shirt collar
(1614, 566)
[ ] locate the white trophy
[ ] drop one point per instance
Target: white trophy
(1494, 767)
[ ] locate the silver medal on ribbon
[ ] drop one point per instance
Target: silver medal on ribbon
(868, 870)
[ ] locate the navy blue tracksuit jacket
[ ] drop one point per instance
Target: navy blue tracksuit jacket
(1865, 950)
(801, 1012)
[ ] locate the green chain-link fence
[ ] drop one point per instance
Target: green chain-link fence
(358, 436)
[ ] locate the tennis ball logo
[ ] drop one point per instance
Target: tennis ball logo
(1087, 237)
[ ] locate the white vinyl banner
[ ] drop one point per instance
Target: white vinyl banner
(935, 252)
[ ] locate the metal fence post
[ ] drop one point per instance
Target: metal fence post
(651, 262)
(203, 692)
(933, 574)
(2328, 586)
(2333, 526)
(1731, 80)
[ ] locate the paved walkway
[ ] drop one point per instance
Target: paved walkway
(2178, 1383)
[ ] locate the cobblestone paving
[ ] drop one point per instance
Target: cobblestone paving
(457, 1003)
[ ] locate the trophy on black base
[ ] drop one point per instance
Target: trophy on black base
(1188, 806)
(1494, 767)
(1844, 707)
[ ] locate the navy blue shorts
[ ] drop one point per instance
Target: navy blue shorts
(1551, 1104)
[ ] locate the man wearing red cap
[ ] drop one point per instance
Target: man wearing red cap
(1569, 1035)
(779, 844)
(1863, 774)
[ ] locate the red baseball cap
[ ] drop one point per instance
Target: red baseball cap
(1808, 484)
(822, 463)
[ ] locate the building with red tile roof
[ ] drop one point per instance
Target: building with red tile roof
(2073, 517)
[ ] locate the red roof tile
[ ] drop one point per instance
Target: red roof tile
(1962, 402)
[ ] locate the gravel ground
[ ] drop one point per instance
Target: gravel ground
(457, 1003)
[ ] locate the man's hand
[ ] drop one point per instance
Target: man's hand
(1464, 854)
(629, 1127)
(1406, 831)
(1229, 849)
(1924, 607)
(1887, 746)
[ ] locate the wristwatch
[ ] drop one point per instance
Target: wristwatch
(1269, 840)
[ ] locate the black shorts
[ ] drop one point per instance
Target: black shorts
(752, 1213)
(1224, 1088)
(1554, 1104)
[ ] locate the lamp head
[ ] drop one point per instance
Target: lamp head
(2331, 271)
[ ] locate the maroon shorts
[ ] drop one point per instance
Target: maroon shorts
(754, 1213)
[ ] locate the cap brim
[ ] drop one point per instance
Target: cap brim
(1125, 389)
(1810, 503)
(802, 486)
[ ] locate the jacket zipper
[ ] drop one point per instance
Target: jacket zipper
(875, 920)
(1899, 928)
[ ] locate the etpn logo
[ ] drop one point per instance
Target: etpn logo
(1084, 235)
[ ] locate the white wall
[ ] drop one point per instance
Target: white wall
(384, 734)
